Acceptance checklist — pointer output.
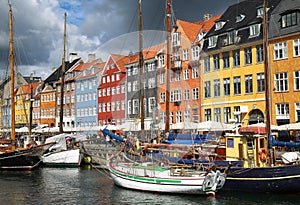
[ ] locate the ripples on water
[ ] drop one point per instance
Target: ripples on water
(89, 186)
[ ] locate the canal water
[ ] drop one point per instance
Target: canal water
(91, 186)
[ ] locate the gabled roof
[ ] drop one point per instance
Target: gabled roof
(120, 61)
(55, 76)
(82, 66)
(190, 29)
(206, 25)
(26, 89)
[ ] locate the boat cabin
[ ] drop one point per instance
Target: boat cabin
(247, 147)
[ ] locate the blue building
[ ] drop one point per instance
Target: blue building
(86, 97)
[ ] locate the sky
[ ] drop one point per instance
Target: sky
(97, 27)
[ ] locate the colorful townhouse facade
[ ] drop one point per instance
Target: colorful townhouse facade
(112, 91)
(68, 101)
(233, 78)
(284, 62)
(47, 106)
(86, 98)
(185, 86)
(142, 81)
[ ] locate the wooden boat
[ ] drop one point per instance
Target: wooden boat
(133, 170)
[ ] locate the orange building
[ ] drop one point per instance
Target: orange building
(47, 106)
(284, 63)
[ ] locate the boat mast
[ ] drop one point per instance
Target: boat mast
(12, 79)
(168, 23)
(267, 75)
(141, 63)
(61, 113)
(266, 68)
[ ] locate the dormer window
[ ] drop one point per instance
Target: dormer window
(254, 30)
(220, 25)
(259, 12)
(176, 39)
(239, 18)
(289, 19)
(212, 41)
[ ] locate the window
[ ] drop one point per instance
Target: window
(129, 107)
(186, 115)
(113, 106)
(217, 114)
(175, 95)
(297, 111)
(135, 106)
(186, 74)
(162, 78)
(226, 84)
(219, 25)
(206, 64)
(260, 12)
(230, 142)
(296, 47)
(178, 116)
(207, 113)
(254, 30)
(152, 104)
(195, 93)
(227, 114)
(280, 51)
(260, 82)
(281, 82)
(297, 80)
(217, 88)
(162, 97)
(129, 87)
(195, 72)
(248, 56)
(186, 54)
(216, 61)
(161, 60)
(207, 93)
(135, 86)
(236, 58)
(151, 83)
(226, 63)
(239, 18)
(248, 84)
(195, 52)
(282, 111)
(259, 53)
(212, 41)
(237, 114)
(187, 94)
(289, 19)
(177, 75)
(176, 39)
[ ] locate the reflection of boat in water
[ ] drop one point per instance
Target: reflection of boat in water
(65, 151)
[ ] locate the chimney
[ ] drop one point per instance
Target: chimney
(72, 57)
(91, 57)
(207, 16)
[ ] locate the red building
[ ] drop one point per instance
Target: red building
(111, 91)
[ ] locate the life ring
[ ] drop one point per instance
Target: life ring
(263, 154)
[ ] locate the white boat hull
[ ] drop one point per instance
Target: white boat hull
(161, 181)
(63, 158)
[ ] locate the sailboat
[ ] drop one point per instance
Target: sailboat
(65, 150)
(13, 157)
(260, 171)
(133, 169)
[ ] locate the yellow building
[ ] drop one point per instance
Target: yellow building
(22, 109)
(233, 77)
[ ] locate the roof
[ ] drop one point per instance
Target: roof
(275, 29)
(54, 77)
(246, 9)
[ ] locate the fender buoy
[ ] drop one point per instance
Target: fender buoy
(263, 154)
(29, 146)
